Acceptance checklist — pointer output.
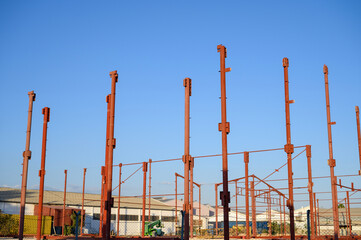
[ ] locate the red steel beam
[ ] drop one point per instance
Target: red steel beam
(119, 191)
(318, 217)
(269, 213)
(187, 83)
(236, 206)
(111, 145)
(191, 200)
(315, 212)
(101, 218)
(224, 127)
(349, 213)
(82, 204)
(46, 112)
(199, 217)
(358, 134)
(289, 149)
(246, 161)
(176, 201)
(280, 202)
(27, 157)
(64, 202)
(284, 216)
(216, 194)
(310, 189)
(254, 222)
(331, 160)
(145, 169)
(150, 186)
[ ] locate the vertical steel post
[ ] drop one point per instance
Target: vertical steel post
(289, 150)
(269, 212)
(111, 146)
(280, 214)
(150, 186)
(145, 169)
(331, 160)
(236, 206)
(82, 205)
(254, 222)
(104, 176)
(191, 165)
(224, 127)
(176, 201)
(246, 161)
(27, 157)
(187, 83)
(216, 188)
(101, 213)
(46, 112)
(199, 217)
(358, 134)
(318, 217)
(315, 212)
(284, 216)
(310, 189)
(64, 202)
(349, 213)
(120, 187)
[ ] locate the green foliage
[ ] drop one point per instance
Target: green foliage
(341, 205)
(8, 225)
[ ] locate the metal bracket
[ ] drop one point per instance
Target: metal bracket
(285, 62)
(27, 154)
(331, 162)
(187, 81)
(227, 127)
(115, 74)
(112, 142)
(225, 197)
(246, 157)
(289, 149)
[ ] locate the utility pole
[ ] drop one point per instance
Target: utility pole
(46, 112)
(82, 205)
(289, 150)
(187, 158)
(111, 145)
(331, 161)
(27, 157)
(224, 127)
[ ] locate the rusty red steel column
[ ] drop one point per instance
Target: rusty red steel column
(284, 216)
(145, 169)
(176, 201)
(199, 217)
(358, 135)
(120, 187)
(246, 161)
(310, 189)
(111, 146)
(318, 217)
(187, 83)
(235, 183)
(289, 149)
(46, 112)
(150, 186)
(27, 157)
(315, 212)
(104, 176)
(280, 202)
(216, 188)
(82, 204)
(331, 161)
(349, 213)
(64, 202)
(254, 222)
(224, 127)
(269, 212)
(101, 213)
(191, 165)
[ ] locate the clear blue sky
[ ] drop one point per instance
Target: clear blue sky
(64, 51)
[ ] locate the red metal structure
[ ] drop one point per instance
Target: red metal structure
(187, 83)
(254, 221)
(358, 135)
(224, 127)
(111, 145)
(310, 189)
(101, 218)
(27, 157)
(149, 187)
(289, 149)
(246, 161)
(64, 202)
(120, 185)
(331, 161)
(46, 112)
(145, 169)
(82, 204)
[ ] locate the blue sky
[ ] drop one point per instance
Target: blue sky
(64, 51)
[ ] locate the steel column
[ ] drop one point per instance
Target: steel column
(284, 216)
(82, 205)
(191, 165)
(280, 214)
(358, 134)
(349, 213)
(315, 212)
(101, 218)
(199, 217)
(224, 127)
(27, 157)
(176, 201)
(318, 217)
(289, 150)
(46, 112)
(254, 222)
(246, 161)
(111, 146)
(331, 160)
(145, 169)
(310, 189)
(64, 202)
(187, 83)
(236, 205)
(216, 188)
(120, 187)
(269, 213)
(150, 186)
(104, 177)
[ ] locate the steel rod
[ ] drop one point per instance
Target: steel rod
(119, 192)
(358, 134)
(82, 205)
(246, 161)
(64, 202)
(310, 189)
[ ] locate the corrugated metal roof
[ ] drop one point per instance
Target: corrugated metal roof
(91, 200)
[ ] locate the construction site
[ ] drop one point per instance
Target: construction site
(251, 202)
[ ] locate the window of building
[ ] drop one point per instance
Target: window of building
(129, 217)
(96, 216)
(152, 218)
(168, 219)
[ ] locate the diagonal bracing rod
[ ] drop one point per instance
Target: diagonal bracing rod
(289, 148)
(46, 112)
(225, 129)
(331, 161)
(27, 156)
